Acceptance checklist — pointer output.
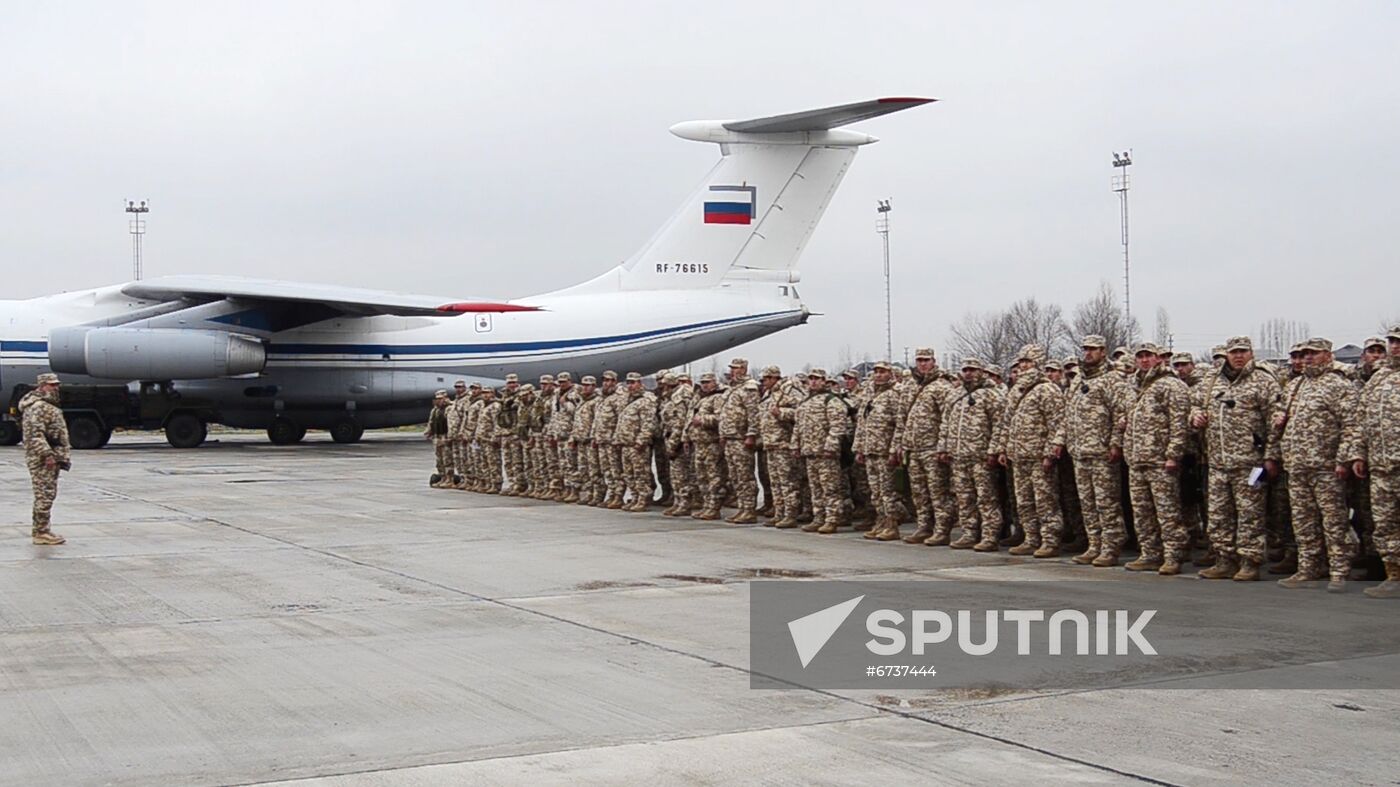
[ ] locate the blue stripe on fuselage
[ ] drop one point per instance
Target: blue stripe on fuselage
(25, 347)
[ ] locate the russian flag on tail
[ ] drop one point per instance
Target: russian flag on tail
(732, 211)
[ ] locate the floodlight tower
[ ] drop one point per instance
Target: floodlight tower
(136, 225)
(1122, 161)
(882, 226)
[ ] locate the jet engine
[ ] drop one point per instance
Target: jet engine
(153, 353)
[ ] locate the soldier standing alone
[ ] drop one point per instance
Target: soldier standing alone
(46, 452)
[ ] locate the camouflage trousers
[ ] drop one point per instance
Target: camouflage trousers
(459, 456)
(1236, 514)
(442, 450)
(883, 495)
(931, 483)
(1385, 509)
(615, 472)
(1069, 496)
(636, 471)
(781, 466)
(45, 483)
(553, 468)
(568, 455)
(491, 465)
(828, 495)
(1038, 503)
(687, 494)
(539, 464)
(804, 486)
(855, 485)
(978, 510)
(1100, 486)
(587, 478)
(707, 474)
(514, 454)
(1156, 497)
(740, 460)
(1320, 526)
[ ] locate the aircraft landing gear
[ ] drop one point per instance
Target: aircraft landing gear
(347, 430)
(285, 431)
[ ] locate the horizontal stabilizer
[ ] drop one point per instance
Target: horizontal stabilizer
(826, 118)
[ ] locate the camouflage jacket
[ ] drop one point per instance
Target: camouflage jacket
(1317, 407)
(457, 417)
(486, 429)
(738, 417)
(877, 422)
(438, 426)
(531, 417)
(45, 431)
(970, 416)
(1034, 409)
(541, 411)
(707, 407)
(675, 415)
(605, 417)
(1374, 433)
(775, 430)
(1241, 416)
(582, 429)
(508, 416)
(922, 422)
(636, 424)
(561, 419)
(1156, 429)
(472, 418)
(1095, 413)
(821, 424)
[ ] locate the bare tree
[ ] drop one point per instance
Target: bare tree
(1163, 333)
(845, 359)
(985, 336)
(1103, 315)
(1032, 322)
(1276, 336)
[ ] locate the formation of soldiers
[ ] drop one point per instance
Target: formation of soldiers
(1228, 467)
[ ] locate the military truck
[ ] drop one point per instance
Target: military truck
(94, 411)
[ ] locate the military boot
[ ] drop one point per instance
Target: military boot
(814, 526)
(707, 515)
(1171, 566)
(1289, 564)
(939, 538)
(615, 505)
(1207, 557)
(876, 529)
(1224, 568)
(1047, 550)
(1300, 579)
(1144, 563)
(45, 538)
(1337, 583)
(1249, 571)
(1108, 558)
(890, 533)
(987, 545)
(1087, 556)
(744, 518)
(965, 541)
(1390, 588)
(922, 533)
(767, 511)
(1026, 547)
(672, 511)
(786, 523)
(828, 528)
(668, 497)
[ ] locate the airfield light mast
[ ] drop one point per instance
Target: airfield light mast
(882, 226)
(1122, 161)
(136, 225)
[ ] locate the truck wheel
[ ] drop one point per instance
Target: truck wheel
(9, 433)
(285, 431)
(84, 432)
(185, 430)
(347, 431)
(106, 438)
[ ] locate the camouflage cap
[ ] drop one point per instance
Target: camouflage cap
(707, 377)
(1318, 344)
(588, 379)
(739, 362)
(512, 378)
(564, 377)
(1125, 364)
(973, 363)
(1071, 360)
(1218, 351)
(634, 377)
(526, 388)
(1393, 333)
(49, 378)
(878, 365)
(460, 384)
(1237, 343)
(816, 371)
(1373, 341)
(1119, 351)
(1182, 358)
(1297, 349)
(851, 373)
(1093, 340)
(546, 379)
(772, 371)
(609, 375)
(1147, 347)
(1033, 353)
(1054, 364)
(683, 377)
(924, 352)
(475, 386)
(669, 378)
(438, 394)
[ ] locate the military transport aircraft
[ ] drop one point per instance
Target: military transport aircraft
(288, 356)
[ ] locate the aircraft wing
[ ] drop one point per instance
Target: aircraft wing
(349, 300)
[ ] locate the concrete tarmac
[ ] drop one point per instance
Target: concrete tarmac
(315, 614)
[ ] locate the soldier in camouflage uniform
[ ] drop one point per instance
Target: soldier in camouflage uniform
(855, 480)
(1236, 414)
(1154, 443)
(46, 452)
(971, 412)
(674, 416)
(821, 424)
(1314, 412)
(660, 457)
(777, 413)
(528, 425)
(738, 429)
(1193, 466)
(587, 478)
(1092, 433)
(508, 418)
(563, 460)
(456, 424)
(1372, 359)
(471, 453)
(636, 425)
(1025, 442)
(537, 421)
(437, 431)
(488, 441)
(1279, 519)
(876, 425)
(1372, 449)
(703, 435)
(930, 481)
(604, 428)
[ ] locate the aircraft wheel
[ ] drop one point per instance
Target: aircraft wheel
(9, 433)
(347, 430)
(285, 431)
(84, 432)
(185, 430)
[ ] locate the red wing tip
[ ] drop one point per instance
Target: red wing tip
(906, 100)
(479, 307)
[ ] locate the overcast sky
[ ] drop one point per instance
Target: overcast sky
(507, 149)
